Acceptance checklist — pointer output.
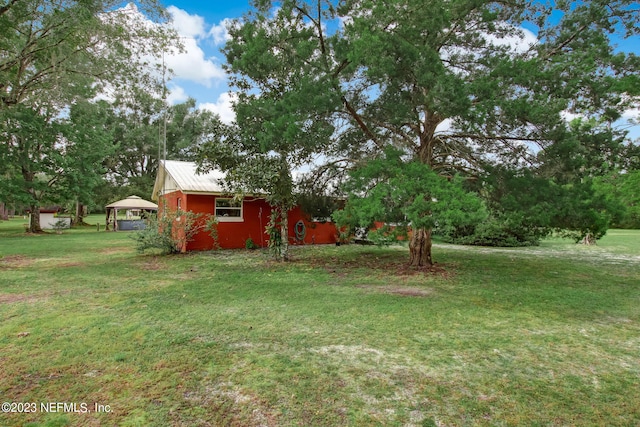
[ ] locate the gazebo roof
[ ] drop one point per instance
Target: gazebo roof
(133, 202)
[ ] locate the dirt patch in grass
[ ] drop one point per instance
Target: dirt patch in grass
(13, 298)
(71, 264)
(442, 270)
(152, 264)
(15, 261)
(400, 290)
(230, 405)
(113, 251)
(391, 264)
(30, 298)
(54, 263)
(408, 292)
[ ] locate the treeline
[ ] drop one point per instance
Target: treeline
(449, 119)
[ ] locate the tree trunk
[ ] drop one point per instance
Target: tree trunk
(34, 220)
(4, 213)
(589, 239)
(79, 216)
(420, 248)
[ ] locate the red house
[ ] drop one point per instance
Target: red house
(179, 186)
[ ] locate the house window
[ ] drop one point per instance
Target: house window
(228, 210)
(179, 203)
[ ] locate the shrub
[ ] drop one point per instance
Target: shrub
(60, 225)
(506, 232)
(211, 226)
(170, 233)
(250, 244)
(273, 231)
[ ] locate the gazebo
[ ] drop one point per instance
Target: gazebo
(135, 207)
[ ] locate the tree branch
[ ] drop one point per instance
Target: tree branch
(4, 9)
(363, 126)
(493, 137)
(557, 49)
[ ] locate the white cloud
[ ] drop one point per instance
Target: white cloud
(193, 66)
(518, 38)
(569, 117)
(632, 114)
(176, 95)
(219, 33)
(632, 108)
(186, 25)
(189, 64)
(515, 40)
(223, 107)
(444, 126)
(344, 21)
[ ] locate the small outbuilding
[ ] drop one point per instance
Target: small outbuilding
(135, 208)
(179, 187)
(49, 218)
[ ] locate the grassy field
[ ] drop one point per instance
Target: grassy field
(341, 336)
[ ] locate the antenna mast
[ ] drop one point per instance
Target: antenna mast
(162, 148)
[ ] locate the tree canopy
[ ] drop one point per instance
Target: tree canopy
(279, 117)
(139, 122)
(57, 50)
(463, 87)
(55, 55)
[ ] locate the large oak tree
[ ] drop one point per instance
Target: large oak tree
(55, 54)
(459, 86)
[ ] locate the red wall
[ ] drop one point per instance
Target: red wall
(256, 212)
(170, 200)
(316, 232)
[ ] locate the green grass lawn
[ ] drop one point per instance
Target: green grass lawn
(344, 335)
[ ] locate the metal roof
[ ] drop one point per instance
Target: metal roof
(186, 179)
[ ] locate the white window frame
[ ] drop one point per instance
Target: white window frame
(222, 218)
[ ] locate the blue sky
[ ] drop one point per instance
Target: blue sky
(198, 72)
